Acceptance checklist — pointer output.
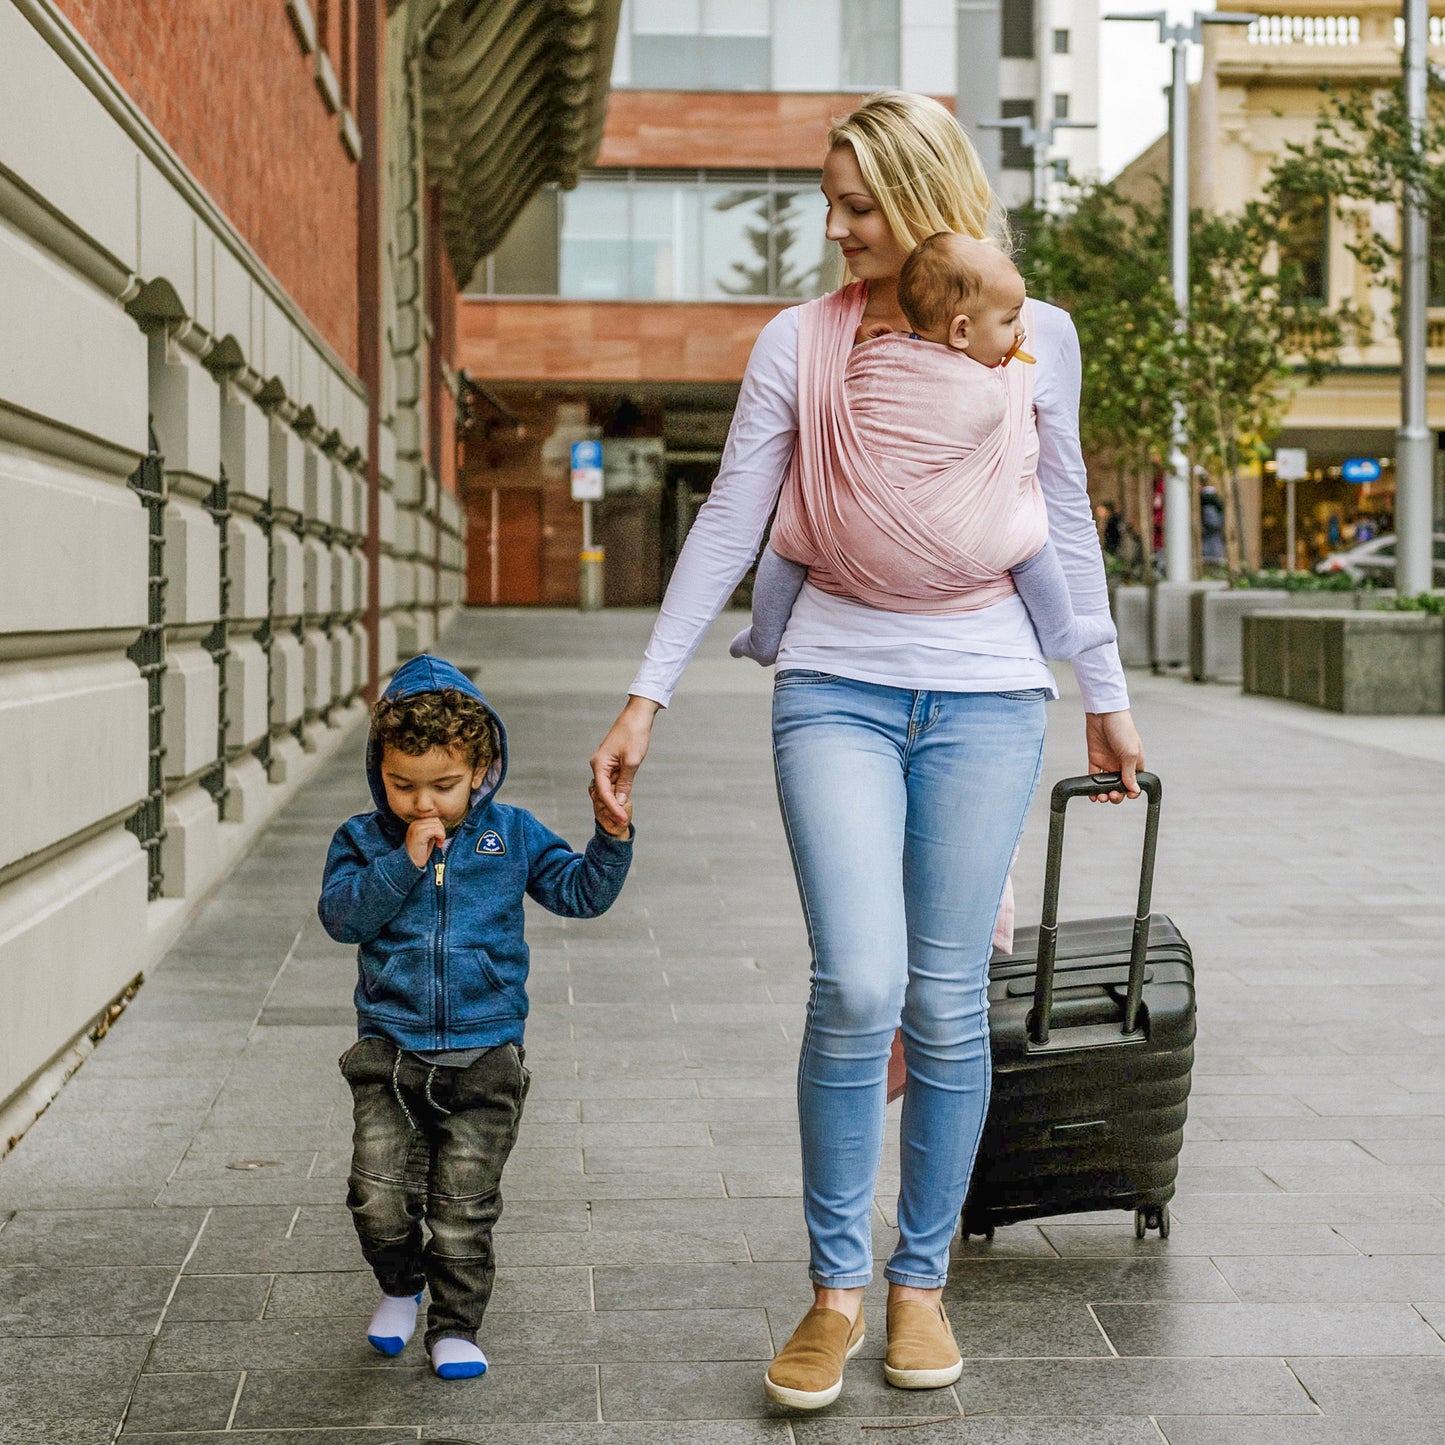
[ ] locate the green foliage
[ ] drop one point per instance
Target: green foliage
(1363, 150)
(1431, 602)
(1278, 580)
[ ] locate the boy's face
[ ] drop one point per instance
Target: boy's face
(435, 784)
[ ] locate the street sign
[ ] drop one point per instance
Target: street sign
(1360, 470)
(1291, 464)
(586, 471)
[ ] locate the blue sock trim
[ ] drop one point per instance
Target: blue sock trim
(462, 1370)
(387, 1344)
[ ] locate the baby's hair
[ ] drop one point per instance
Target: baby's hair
(446, 718)
(939, 281)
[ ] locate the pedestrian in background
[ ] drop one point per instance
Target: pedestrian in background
(907, 747)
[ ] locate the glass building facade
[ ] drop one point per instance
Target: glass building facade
(668, 236)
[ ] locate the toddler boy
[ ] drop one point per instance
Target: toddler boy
(963, 296)
(430, 885)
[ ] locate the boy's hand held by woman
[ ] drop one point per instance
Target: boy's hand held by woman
(616, 761)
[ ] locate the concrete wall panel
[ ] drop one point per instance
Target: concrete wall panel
(79, 725)
(70, 353)
(288, 472)
(248, 566)
(193, 563)
(186, 410)
(290, 595)
(245, 694)
(316, 567)
(57, 138)
(90, 571)
(288, 698)
(192, 716)
(71, 938)
(191, 854)
(245, 444)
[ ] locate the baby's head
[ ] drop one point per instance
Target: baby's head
(435, 749)
(963, 294)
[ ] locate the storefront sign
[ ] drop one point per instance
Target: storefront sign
(1360, 470)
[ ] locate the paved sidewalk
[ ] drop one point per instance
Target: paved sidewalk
(176, 1263)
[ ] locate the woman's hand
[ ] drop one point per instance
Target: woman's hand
(615, 763)
(1114, 746)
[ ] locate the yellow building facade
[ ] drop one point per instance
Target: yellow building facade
(1260, 90)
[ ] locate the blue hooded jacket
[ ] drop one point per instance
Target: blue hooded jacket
(442, 960)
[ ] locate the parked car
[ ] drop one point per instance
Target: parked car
(1374, 561)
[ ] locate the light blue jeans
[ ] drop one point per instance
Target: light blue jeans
(902, 810)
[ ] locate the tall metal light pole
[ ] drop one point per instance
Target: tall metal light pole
(1414, 443)
(1038, 139)
(1178, 493)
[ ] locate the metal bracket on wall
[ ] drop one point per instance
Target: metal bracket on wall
(217, 642)
(148, 652)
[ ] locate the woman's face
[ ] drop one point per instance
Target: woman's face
(856, 223)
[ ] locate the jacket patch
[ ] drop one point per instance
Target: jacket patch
(491, 844)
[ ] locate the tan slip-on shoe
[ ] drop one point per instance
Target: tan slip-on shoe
(807, 1373)
(922, 1353)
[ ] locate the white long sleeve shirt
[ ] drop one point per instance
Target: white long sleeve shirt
(989, 649)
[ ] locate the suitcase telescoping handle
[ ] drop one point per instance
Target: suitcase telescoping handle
(1089, 786)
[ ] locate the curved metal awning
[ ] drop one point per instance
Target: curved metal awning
(514, 95)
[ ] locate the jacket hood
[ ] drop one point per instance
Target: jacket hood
(431, 674)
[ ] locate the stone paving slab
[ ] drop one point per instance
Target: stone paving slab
(176, 1263)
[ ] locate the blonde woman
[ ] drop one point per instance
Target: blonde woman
(907, 747)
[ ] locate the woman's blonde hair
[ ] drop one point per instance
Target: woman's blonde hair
(922, 169)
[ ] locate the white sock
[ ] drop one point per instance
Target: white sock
(392, 1324)
(455, 1359)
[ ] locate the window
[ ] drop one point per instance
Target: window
(1061, 107)
(702, 44)
(670, 236)
(1016, 154)
(1018, 30)
(1061, 42)
(1304, 251)
(870, 43)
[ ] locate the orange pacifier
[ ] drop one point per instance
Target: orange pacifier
(1017, 350)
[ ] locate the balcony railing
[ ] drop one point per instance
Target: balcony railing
(1304, 30)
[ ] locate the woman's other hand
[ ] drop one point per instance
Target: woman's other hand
(1114, 746)
(616, 761)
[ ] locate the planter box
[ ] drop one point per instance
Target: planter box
(1215, 620)
(1351, 662)
(1130, 606)
(1169, 619)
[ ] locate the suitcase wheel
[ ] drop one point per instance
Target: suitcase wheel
(1156, 1216)
(986, 1233)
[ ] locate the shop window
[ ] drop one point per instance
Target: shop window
(1018, 30)
(1304, 251)
(870, 43)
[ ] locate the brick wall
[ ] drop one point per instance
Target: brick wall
(608, 340)
(226, 84)
(778, 130)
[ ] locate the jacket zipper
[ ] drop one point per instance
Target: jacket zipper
(441, 951)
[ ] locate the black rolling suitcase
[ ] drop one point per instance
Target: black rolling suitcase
(1093, 1042)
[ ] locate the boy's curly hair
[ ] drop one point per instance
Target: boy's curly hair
(446, 718)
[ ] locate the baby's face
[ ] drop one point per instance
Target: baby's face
(993, 328)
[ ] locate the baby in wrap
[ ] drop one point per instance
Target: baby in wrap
(941, 419)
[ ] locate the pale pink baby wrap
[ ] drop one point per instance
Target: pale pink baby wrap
(912, 487)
